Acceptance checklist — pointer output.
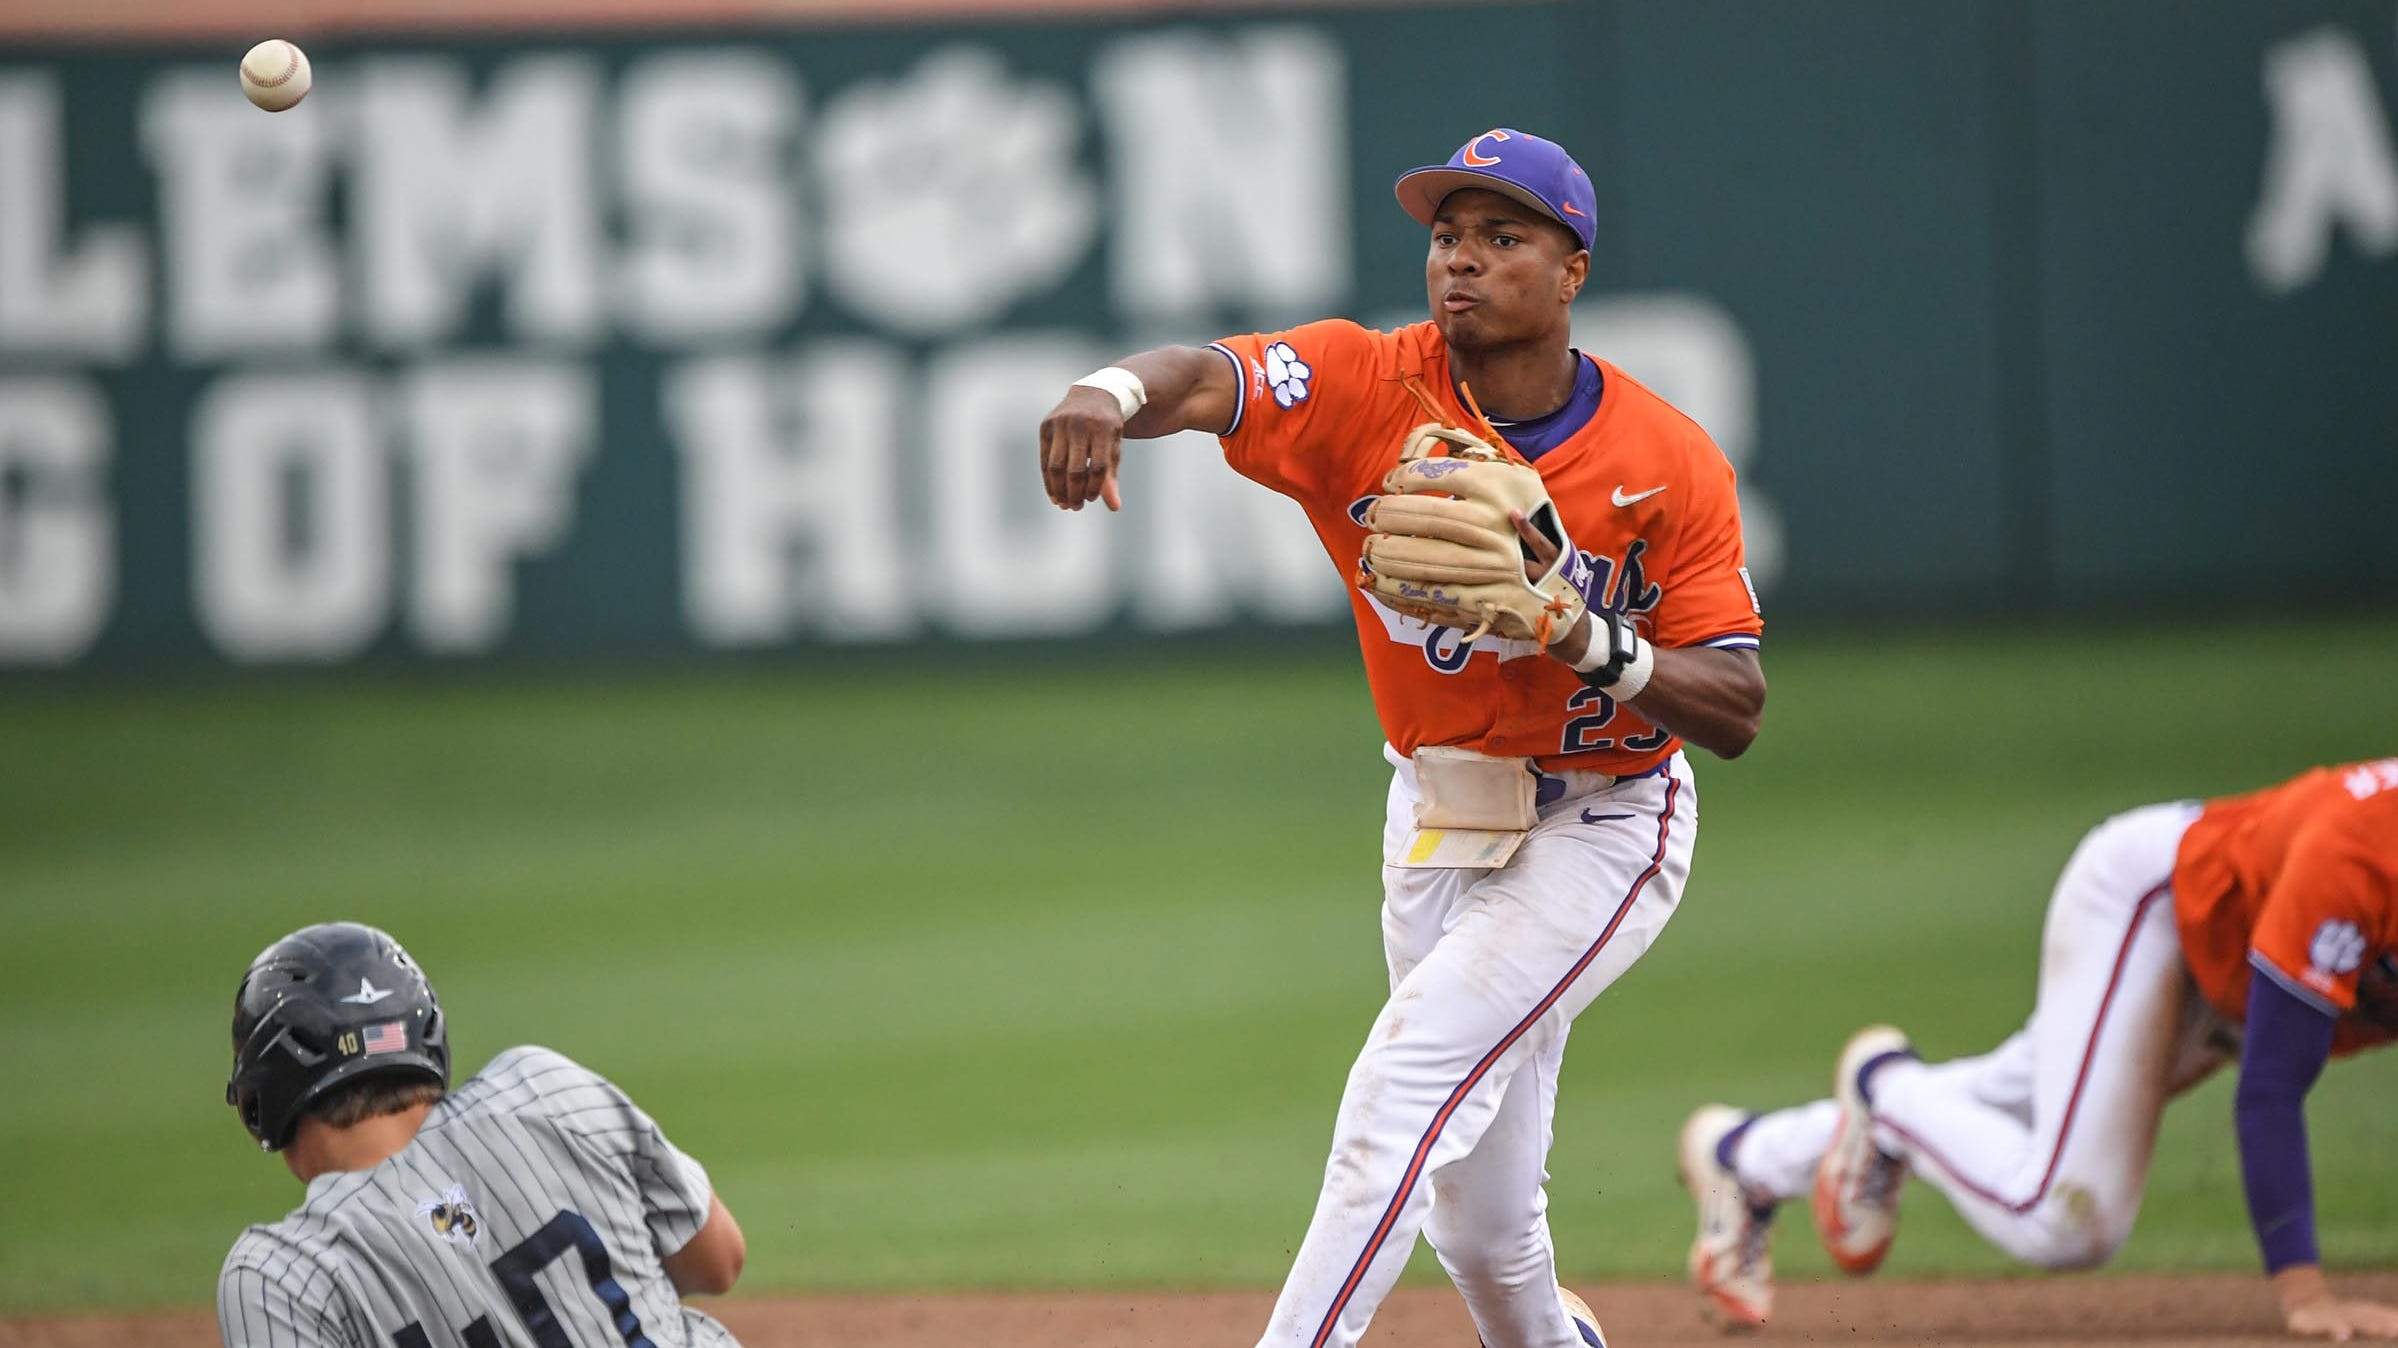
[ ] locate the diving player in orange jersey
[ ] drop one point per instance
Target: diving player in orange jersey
(2261, 928)
(1445, 1125)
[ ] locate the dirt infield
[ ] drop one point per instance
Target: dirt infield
(2057, 1312)
(2053, 1313)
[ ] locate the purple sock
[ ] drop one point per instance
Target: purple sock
(1724, 1144)
(1875, 1064)
(1761, 1209)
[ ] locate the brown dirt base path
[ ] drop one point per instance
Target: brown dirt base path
(2056, 1312)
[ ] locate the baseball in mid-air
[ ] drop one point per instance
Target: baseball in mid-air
(275, 74)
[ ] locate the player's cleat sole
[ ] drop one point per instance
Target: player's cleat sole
(1730, 1260)
(1585, 1323)
(1856, 1183)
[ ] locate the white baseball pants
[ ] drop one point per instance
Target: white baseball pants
(2043, 1143)
(1444, 1127)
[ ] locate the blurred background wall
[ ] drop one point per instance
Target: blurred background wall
(602, 329)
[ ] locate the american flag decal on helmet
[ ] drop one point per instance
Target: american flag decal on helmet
(390, 1036)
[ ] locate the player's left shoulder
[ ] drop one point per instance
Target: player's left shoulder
(527, 1079)
(1658, 422)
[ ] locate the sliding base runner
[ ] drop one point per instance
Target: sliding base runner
(533, 1205)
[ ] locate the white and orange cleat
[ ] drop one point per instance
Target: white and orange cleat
(1585, 1323)
(1730, 1262)
(1856, 1182)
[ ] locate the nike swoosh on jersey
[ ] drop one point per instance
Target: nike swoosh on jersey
(1589, 818)
(1636, 497)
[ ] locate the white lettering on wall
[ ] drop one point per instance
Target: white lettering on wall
(714, 233)
(2328, 165)
(1004, 561)
(496, 444)
(877, 486)
(57, 532)
(91, 300)
(451, 191)
(790, 489)
(292, 525)
(242, 201)
(1210, 544)
(951, 193)
(1230, 162)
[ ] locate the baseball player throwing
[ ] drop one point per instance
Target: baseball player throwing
(2261, 927)
(534, 1206)
(1550, 600)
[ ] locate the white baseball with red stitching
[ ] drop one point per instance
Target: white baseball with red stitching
(275, 74)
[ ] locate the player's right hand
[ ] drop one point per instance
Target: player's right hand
(2342, 1321)
(1082, 439)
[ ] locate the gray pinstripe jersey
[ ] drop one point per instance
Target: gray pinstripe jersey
(529, 1212)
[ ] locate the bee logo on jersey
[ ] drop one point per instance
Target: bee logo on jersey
(453, 1216)
(1287, 375)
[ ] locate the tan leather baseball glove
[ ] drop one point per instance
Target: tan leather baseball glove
(1443, 548)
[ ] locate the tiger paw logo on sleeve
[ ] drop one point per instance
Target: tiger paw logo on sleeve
(2367, 780)
(2338, 948)
(1287, 375)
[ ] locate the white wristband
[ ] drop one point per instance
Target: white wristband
(1601, 647)
(1637, 667)
(1636, 672)
(1130, 393)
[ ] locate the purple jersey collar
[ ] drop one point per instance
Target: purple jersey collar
(1535, 436)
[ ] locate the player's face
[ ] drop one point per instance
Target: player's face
(1498, 274)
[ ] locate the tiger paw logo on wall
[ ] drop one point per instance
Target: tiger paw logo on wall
(1287, 375)
(453, 1216)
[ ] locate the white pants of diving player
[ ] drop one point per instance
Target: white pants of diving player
(2043, 1143)
(1444, 1125)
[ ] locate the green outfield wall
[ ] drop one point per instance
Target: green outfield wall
(611, 343)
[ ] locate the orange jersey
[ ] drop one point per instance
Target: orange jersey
(2299, 881)
(1641, 490)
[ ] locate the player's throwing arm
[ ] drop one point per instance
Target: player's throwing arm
(1174, 388)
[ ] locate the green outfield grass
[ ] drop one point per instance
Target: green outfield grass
(1049, 976)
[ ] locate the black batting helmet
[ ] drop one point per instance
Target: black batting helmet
(325, 1005)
